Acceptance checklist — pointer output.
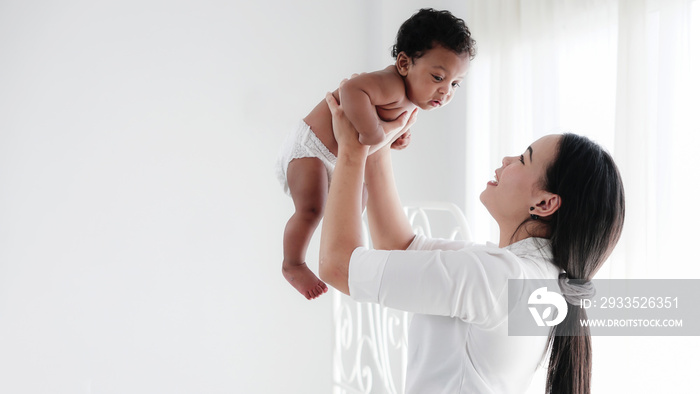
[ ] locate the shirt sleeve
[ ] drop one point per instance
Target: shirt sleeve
(468, 283)
(421, 242)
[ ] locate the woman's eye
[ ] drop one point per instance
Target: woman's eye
(522, 159)
(437, 78)
(455, 84)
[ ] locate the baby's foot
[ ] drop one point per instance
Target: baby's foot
(301, 277)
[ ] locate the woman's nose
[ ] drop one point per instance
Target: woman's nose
(507, 160)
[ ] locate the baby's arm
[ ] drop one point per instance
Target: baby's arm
(360, 96)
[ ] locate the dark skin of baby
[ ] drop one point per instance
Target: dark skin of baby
(373, 102)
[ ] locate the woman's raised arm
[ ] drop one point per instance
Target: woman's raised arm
(342, 224)
(388, 224)
(341, 233)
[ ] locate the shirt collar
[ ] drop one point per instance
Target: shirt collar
(533, 247)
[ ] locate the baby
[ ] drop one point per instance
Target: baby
(432, 52)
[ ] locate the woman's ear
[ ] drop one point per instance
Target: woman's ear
(403, 63)
(549, 204)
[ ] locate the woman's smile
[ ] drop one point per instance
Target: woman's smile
(494, 181)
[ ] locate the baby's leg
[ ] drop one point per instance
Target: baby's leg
(308, 185)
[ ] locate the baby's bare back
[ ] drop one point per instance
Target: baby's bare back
(394, 103)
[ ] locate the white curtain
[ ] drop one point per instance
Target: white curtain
(622, 72)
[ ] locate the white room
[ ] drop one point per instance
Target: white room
(141, 222)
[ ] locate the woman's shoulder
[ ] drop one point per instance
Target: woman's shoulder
(421, 242)
(532, 248)
(531, 257)
(535, 257)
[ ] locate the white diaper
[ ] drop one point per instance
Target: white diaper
(302, 142)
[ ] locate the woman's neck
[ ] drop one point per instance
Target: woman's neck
(512, 234)
(508, 238)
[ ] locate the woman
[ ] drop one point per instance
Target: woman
(560, 209)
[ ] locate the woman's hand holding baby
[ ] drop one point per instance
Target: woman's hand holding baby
(343, 128)
(348, 137)
(405, 134)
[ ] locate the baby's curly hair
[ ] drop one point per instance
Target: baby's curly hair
(429, 27)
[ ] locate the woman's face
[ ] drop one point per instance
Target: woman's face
(518, 183)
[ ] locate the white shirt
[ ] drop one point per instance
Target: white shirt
(458, 339)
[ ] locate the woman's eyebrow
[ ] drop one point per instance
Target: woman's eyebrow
(530, 149)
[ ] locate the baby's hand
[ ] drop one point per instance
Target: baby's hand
(403, 141)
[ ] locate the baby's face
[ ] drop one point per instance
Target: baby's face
(431, 80)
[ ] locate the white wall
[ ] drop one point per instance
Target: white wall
(140, 221)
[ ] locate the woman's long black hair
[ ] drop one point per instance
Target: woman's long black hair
(583, 232)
